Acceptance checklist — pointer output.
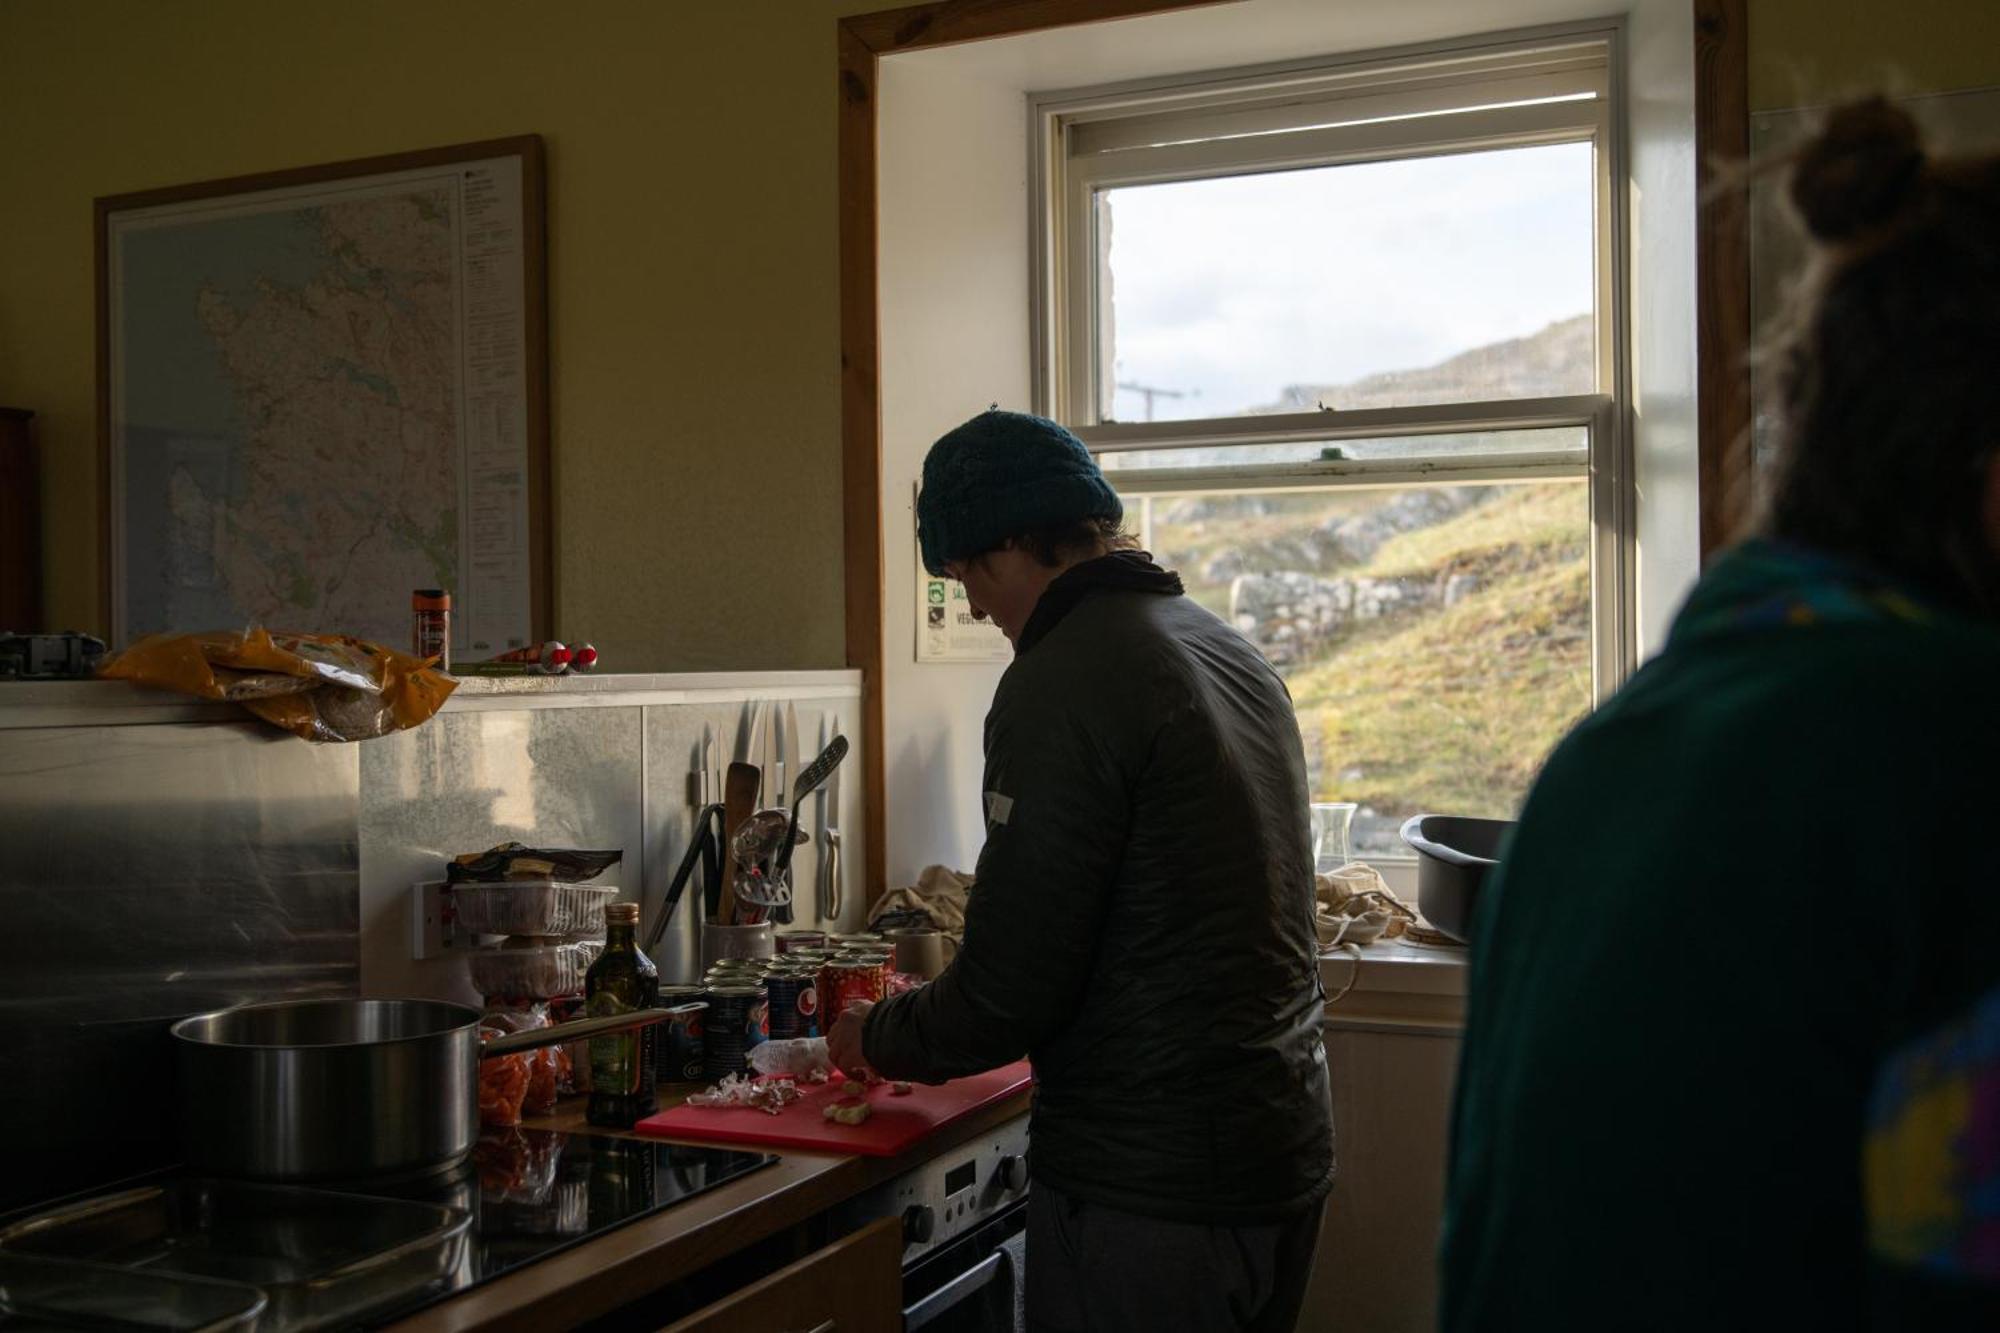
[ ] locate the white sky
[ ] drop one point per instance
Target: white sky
(1236, 287)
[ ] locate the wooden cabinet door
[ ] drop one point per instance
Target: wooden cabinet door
(20, 527)
(854, 1285)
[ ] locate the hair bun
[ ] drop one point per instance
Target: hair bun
(1857, 172)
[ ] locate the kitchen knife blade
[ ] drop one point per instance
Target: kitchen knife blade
(776, 792)
(788, 772)
(829, 831)
(709, 785)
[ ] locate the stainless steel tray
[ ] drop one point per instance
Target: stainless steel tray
(49, 1294)
(319, 1257)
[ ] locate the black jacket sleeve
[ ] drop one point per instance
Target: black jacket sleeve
(1057, 819)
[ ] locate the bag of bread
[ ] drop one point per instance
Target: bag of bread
(323, 687)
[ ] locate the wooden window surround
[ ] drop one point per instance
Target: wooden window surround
(1722, 132)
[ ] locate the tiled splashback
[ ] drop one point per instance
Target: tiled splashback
(600, 768)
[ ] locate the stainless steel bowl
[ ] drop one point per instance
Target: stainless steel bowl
(328, 1089)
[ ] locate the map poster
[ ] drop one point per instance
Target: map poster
(321, 389)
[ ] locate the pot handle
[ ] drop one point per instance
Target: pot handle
(575, 1030)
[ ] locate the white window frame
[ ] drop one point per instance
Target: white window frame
(1368, 107)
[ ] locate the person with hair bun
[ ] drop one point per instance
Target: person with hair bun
(1732, 1058)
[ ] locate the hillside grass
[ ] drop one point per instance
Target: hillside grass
(1449, 709)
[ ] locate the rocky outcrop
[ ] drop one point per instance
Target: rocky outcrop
(1289, 614)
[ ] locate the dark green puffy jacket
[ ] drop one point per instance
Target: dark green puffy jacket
(1141, 924)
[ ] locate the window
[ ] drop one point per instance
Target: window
(1343, 336)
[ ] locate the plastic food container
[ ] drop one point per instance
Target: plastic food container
(532, 907)
(535, 972)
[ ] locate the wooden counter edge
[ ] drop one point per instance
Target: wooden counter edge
(623, 1265)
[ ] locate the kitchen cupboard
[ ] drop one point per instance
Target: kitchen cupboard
(20, 526)
(854, 1285)
(1392, 1048)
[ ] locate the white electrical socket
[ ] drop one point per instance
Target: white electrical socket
(431, 930)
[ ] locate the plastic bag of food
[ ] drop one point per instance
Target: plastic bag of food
(503, 1084)
(517, 860)
(323, 687)
(546, 1068)
(796, 1057)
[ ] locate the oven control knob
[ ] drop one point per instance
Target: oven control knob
(919, 1223)
(1013, 1173)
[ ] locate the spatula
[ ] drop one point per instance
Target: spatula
(814, 773)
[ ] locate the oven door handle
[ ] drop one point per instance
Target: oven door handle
(954, 1292)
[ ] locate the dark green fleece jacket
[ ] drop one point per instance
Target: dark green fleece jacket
(1739, 897)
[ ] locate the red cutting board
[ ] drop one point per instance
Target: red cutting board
(897, 1122)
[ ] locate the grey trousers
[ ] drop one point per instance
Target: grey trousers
(1093, 1269)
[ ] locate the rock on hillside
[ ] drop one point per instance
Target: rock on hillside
(1290, 613)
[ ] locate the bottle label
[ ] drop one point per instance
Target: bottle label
(616, 1066)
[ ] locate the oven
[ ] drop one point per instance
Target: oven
(965, 1217)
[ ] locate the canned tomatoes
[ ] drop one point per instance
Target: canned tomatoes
(735, 1023)
(846, 981)
(792, 1000)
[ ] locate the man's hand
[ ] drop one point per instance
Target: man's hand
(843, 1043)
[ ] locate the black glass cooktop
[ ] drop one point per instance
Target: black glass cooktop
(532, 1192)
(144, 1252)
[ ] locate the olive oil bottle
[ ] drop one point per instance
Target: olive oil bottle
(622, 981)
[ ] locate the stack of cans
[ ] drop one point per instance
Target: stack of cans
(791, 994)
(853, 976)
(681, 1055)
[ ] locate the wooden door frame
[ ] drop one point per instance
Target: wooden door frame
(1724, 480)
(1722, 260)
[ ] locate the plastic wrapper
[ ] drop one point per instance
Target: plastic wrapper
(323, 687)
(534, 972)
(797, 1057)
(769, 1095)
(546, 1069)
(503, 1085)
(517, 860)
(538, 907)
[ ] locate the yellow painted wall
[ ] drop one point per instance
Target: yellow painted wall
(1806, 52)
(693, 278)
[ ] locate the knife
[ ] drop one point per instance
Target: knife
(708, 787)
(775, 792)
(829, 833)
(788, 770)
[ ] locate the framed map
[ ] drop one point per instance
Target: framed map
(321, 389)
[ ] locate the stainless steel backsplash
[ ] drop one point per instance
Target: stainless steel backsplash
(152, 872)
(162, 859)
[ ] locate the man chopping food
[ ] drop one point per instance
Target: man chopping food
(1141, 920)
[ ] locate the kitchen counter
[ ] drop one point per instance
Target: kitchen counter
(612, 1270)
(1392, 984)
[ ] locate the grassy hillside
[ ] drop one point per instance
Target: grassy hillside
(1447, 709)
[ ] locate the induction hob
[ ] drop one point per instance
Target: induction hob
(524, 1195)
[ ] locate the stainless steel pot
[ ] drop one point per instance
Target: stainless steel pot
(342, 1089)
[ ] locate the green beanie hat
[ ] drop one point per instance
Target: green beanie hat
(1002, 474)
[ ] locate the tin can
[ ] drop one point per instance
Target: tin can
(680, 1037)
(847, 981)
(734, 1023)
(790, 941)
(849, 941)
(430, 625)
(791, 1000)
